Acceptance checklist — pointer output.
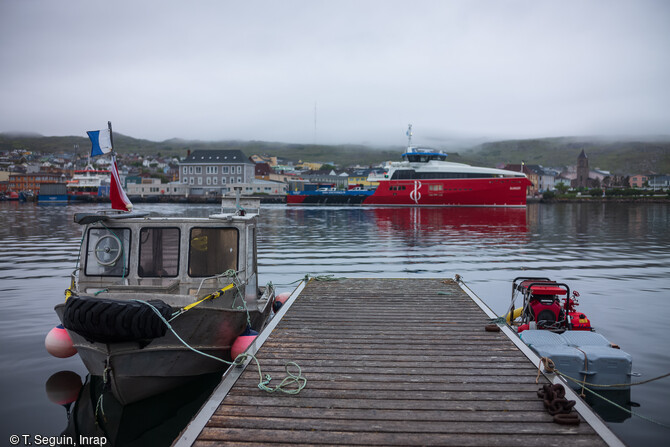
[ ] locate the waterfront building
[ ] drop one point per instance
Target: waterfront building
(638, 181)
(215, 172)
(218, 172)
(33, 181)
(660, 181)
(154, 187)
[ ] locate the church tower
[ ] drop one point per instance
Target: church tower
(582, 171)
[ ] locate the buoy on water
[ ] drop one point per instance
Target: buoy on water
(58, 343)
(280, 300)
(63, 387)
(242, 342)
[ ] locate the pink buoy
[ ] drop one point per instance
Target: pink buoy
(59, 344)
(280, 300)
(63, 387)
(243, 342)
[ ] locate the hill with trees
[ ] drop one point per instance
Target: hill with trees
(624, 156)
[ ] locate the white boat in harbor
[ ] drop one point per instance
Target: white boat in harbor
(87, 182)
(155, 300)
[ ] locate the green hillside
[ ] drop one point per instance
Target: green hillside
(627, 157)
(624, 157)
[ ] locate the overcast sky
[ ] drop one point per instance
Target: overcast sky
(259, 70)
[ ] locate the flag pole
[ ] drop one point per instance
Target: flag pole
(111, 138)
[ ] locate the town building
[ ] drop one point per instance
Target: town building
(215, 172)
(660, 181)
(638, 181)
(218, 172)
(340, 181)
(154, 187)
(33, 181)
(271, 160)
(359, 177)
(582, 180)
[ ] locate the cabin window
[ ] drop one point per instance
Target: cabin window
(159, 253)
(212, 251)
(435, 187)
(403, 174)
(107, 252)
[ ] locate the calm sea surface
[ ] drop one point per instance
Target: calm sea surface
(616, 255)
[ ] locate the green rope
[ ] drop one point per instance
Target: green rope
(499, 321)
(308, 276)
(290, 379)
(617, 385)
(330, 277)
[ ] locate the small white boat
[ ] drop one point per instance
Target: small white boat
(155, 299)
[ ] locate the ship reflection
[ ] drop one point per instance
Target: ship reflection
(156, 421)
(457, 223)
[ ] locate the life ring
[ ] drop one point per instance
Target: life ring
(106, 320)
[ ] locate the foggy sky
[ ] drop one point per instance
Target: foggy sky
(258, 70)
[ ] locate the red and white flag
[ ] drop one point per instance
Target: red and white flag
(117, 195)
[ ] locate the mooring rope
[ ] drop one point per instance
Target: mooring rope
(550, 367)
(291, 378)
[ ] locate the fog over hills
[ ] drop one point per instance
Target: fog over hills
(628, 155)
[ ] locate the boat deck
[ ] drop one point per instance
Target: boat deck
(389, 362)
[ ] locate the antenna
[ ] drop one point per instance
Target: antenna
(315, 123)
(409, 136)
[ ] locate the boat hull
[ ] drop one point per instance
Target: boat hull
(502, 192)
(141, 369)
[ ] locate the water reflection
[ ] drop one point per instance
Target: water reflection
(431, 224)
(156, 421)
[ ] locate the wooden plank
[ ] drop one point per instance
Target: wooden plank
(322, 437)
(383, 404)
(379, 414)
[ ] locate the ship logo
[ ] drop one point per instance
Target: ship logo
(415, 194)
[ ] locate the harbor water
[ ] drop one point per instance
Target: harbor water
(616, 255)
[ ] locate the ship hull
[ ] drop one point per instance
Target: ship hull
(502, 192)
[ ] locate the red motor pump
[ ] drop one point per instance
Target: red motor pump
(577, 321)
(545, 307)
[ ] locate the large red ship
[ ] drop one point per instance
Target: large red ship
(425, 178)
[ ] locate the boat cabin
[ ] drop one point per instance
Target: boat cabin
(421, 155)
(182, 256)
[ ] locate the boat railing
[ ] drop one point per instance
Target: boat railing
(240, 206)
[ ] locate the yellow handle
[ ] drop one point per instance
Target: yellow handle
(216, 294)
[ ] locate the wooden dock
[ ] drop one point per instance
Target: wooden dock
(389, 362)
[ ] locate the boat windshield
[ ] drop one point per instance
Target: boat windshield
(423, 157)
(159, 253)
(212, 251)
